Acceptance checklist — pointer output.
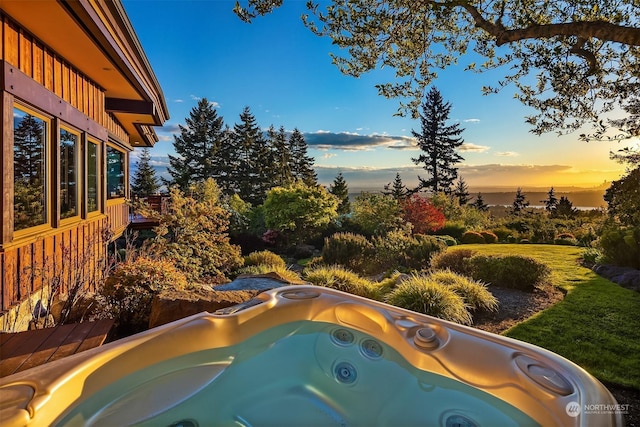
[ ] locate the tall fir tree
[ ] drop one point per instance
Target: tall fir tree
(397, 189)
(302, 163)
(564, 209)
(250, 158)
(551, 201)
(282, 158)
(520, 203)
(145, 180)
(461, 191)
(479, 203)
(340, 189)
(196, 147)
(439, 142)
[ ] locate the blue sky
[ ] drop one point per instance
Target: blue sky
(278, 68)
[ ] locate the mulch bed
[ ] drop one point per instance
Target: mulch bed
(517, 306)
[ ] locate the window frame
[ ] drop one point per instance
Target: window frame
(78, 174)
(99, 178)
(125, 178)
(48, 173)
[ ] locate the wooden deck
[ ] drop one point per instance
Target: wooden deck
(24, 350)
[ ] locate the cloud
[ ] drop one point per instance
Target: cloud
(507, 154)
(178, 100)
(348, 141)
(328, 155)
(473, 148)
(472, 121)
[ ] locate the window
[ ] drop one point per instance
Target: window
(115, 173)
(30, 169)
(93, 177)
(69, 143)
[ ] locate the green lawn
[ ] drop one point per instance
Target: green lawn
(597, 325)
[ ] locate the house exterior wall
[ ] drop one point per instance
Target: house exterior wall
(62, 252)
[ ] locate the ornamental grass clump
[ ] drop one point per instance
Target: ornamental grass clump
(424, 295)
(475, 294)
(280, 270)
(264, 258)
(342, 279)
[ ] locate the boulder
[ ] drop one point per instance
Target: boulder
(172, 305)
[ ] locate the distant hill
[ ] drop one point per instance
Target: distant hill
(580, 197)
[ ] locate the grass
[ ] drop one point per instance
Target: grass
(597, 325)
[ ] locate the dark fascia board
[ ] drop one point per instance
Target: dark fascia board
(118, 105)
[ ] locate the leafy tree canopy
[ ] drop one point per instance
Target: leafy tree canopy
(570, 61)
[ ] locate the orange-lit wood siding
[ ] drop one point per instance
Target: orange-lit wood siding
(44, 66)
(71, 255)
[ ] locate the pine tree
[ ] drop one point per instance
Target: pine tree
(302, 163)
(398, 190)
(551, 201)
(341, 191)
(462, 192)
(520, 202)
(282, 158)
(438, 142)
(479, 203)
(564, 209)
(145, 181)
(196, 147)
(249, 159)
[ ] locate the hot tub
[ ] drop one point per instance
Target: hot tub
(308, 356)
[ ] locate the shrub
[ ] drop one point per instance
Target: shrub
(338, 277)
(452, 229)
(503, 233)
(282, 270)
(591, 256)
(566, 241)
(350, 250)
(454, 260)
(399, 250)
(423, 295)
(474, 293)
(449, 240)
(193, 234)
(264, 257)
(127, 293)
(489, 237)
(510, 271)
(472, 237)
(620, 245)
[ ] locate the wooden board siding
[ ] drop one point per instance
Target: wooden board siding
(43, 65)
(118, 214)
(66, 255)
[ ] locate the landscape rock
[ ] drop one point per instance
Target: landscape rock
(624, 276)
(174, 304)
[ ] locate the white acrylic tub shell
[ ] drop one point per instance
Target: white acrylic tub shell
(339, 359)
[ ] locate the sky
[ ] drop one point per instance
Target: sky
(283, 73)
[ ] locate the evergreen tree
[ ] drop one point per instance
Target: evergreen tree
(341, 191)
(196, 147)
(145, 181)
(479, 203)
(398, 190)
(302, 163)
(438, 142)
(462, 192)
(564, 209)
(520, 202)
(551, 201)
(282, 158)
(248, 158)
